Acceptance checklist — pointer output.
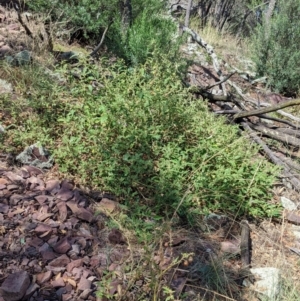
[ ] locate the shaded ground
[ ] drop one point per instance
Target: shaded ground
(48, 228)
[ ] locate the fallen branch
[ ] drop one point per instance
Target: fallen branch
(292, 132)
(245, 244)
(94, 52)
(279, 120)
(210, 51)
(227, 112)
(286, 170)
(280, 112)
(211, 97)
(27, 30)
(221, 81)
(257, 112)
(288, 115)
(276, 135)
(239, 91)
(289, 162)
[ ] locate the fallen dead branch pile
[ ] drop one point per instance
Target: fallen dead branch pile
(279, 138)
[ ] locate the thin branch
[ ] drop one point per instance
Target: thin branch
(210, 51)
(265, 104)
(27, 30)
(101, 41)
(268, 109)
(210, 96)
(287, 171)
(289, 162)
(227, 112)
(279, 120)
(221, 81)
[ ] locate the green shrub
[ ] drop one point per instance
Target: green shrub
(149, 32)
(89, 16)
(276, 49)
(144, 138)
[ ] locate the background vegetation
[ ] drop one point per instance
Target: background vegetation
(276, 50)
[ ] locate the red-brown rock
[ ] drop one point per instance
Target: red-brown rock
(14, 177)
(48, 255)
(30, 291)
(52, 186)
(42, 229)
(32, 170)
(67, 185)
(41, 199)
(55, 270)
(73, 206)
(64, 194)
(11, 187)
(4, 208)
(43, 277)
(58, 282)
(15, 199)
(14, 286)
(62, 246)
(77, 273)
(60, 261)
(84, 284)
(3, 181)
(35, 242)
(80, 212)
(85, 215)
(74, 264)
(63, 211)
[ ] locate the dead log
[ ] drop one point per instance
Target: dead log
(245, 244)
(257, 112)
(265, 104)
(226, 112)
(289, 162)
(285, 138)
(288, 131)
(286, 169)
(281, 121)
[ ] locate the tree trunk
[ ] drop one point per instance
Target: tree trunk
(187, 14)
(270, 10)
(126, 14)
(268, 16)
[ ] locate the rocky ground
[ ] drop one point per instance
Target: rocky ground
(52, 245)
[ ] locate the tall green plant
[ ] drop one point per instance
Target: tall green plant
(150, 32)
(144, 138)
(276, 47)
